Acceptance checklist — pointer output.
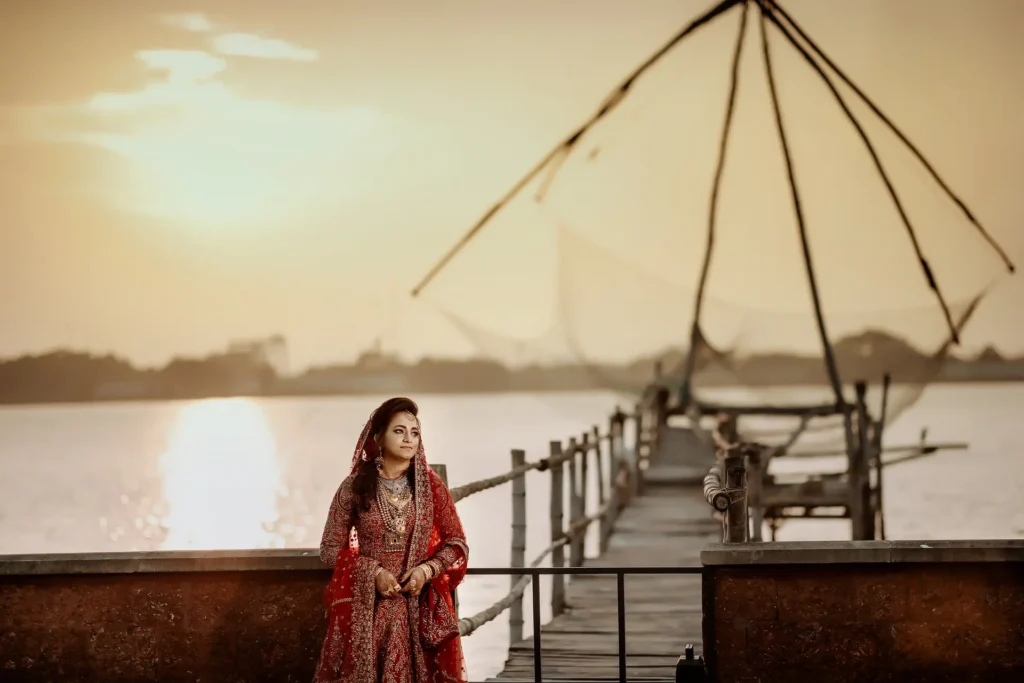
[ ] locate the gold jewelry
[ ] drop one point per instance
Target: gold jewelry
(393, 497)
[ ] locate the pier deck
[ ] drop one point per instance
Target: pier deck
(667, 525)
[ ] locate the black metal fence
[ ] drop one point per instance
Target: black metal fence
(620, 574)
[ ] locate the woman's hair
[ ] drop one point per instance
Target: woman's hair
(364, 485)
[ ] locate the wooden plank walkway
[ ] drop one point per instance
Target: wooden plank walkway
(666, 526)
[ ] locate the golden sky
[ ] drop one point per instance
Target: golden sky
(174, 175)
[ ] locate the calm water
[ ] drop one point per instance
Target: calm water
(242, 473)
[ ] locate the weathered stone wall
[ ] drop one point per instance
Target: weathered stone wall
(836, 620)
(116, 621)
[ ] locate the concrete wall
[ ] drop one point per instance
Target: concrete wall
(865, 611)
(221, 617)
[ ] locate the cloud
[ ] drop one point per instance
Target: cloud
(194, 22)
(189, 74)
(249, 45)
(186, 66)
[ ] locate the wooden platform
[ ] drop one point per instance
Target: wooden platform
(666, 526)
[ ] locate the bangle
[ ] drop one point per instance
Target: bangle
(379, 570)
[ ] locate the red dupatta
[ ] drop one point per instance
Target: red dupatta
(348, 652)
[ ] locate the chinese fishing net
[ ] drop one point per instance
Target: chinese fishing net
(588, 278)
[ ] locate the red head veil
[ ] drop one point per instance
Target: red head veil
(349, 654)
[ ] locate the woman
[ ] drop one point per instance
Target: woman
(398, 550)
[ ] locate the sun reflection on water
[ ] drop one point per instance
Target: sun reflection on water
(221, 477)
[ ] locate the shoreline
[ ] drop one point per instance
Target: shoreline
(440, 391)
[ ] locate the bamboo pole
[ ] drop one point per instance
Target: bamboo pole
(558, 554)
(518, 555)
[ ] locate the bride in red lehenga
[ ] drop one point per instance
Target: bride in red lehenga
(398, 550)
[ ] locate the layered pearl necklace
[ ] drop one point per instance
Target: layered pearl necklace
(393, 496)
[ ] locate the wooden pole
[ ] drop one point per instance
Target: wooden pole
(861, 515)
(634, 466)
(602, 496)
(557, 530)
(660, 420)
(584, 487)
(877, 453)
(442, 472)
(755, 488)
(518, 557)
(736, 525)
(574, 502)
(614, 460)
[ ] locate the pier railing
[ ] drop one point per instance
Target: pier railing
(619, 454)
(688, 668)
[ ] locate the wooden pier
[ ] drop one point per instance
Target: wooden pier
(666, 524)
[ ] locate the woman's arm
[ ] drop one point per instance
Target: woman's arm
(338, 528)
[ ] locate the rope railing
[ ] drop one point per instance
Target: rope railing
(467, 625)
(569, 464)
(480, 485)
(465, 490)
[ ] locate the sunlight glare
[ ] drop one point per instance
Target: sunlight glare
(208, 156)
(221, 477)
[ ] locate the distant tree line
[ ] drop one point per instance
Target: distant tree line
(68, 376)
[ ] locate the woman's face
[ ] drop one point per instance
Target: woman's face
(402, 437)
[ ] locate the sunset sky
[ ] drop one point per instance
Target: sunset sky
(176, 175)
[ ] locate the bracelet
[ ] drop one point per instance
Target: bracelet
(379, 570)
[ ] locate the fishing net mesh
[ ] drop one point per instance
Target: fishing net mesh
(591, 273)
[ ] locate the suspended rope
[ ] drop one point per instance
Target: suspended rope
(723, 146)
(561, 150)
(830, 360)
(776, 7)
(770, 11)
(925, 267)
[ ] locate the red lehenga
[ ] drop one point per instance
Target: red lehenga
(403, 639)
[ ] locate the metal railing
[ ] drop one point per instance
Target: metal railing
(533, 573)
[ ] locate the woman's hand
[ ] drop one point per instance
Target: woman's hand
(386, 584)
(417, 580)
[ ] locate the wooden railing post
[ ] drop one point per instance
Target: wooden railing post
(575, 559)
(442, 472)
(660, 419)
(585, 448)
(614, 463)
(518, 558)
(557, 530)
(601, 495)
(634, 479)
